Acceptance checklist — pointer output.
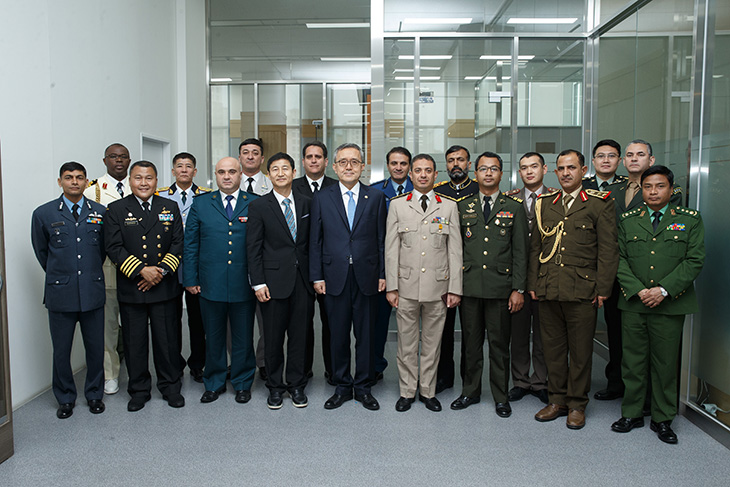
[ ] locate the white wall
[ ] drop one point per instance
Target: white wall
(76, 76)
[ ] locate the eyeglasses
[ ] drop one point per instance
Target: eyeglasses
(348, 162)
(117, 156)
(602, 156)
(492, 169)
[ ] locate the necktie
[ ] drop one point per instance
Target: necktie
(315, 186)
(604, 185)
(400, 189)
(424, 202)
(250, 185)
(75, 211)
(184, 196)
(120, 189)
(350, 208)
(146, 206)
(289, 215)
(566, 202)
(487, 208)
(229, 208)
(631, 191)
(656, 215)
(531, 206)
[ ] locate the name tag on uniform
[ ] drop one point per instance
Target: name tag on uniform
(57, 224)
(129, 221)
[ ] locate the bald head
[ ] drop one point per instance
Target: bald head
(228, 175)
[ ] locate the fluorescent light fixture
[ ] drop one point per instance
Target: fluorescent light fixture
(338, 25)
(555, 20)
(423, 78)
(525, 57)
(346, 59)
(214, 80)
(426, 56)
(410, 70)
(437, 20)
(474, 78)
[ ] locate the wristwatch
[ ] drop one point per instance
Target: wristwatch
(663, 291)
(521, 291)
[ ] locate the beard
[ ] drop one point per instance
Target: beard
(457, 174)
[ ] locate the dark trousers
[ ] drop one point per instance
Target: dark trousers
(567, 332)
(380, 333)
(615, 349)
(286, 319)
(491, 316)
(216, 316)
(137, 322)
(526, 324)
(326, 338)
(445, 373)
(351, 310)
(63, 326)
(196, 360)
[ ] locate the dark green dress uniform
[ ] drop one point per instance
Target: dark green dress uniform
(573, 259)
(445, 374)
(671, 257)
(591, 182)
(134, 239)
(611, 311)
(495, 264)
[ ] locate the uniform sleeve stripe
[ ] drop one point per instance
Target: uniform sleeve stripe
(129, 265)
(171, 261)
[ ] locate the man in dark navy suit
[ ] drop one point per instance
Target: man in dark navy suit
(347, 266)
(314, 162)
(69, 244)
(277, 243)
(398, 162)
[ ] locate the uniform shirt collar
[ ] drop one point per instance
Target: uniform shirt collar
(70, 204)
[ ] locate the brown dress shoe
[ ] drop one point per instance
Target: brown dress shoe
(576, 419)
(551, 412)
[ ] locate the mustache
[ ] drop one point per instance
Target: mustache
(457, 173)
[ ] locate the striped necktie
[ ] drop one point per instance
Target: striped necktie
(289, 215)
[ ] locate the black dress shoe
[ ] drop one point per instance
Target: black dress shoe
(368, 401)
(378, 377)
(432, 404)
(337, 400)
(96, 406)
(442, 385)
(210, 396)
(242, 397)
(542, 395)
(504, 410)
(263, 374)
(624, 425)
(664, 431)
(197, 375)
(174, 400)
(607, 395)
(298, 398)
(404, 403)
(463, 402)
(517, 393)
(136, 403)
(274, 401)
(65, 410)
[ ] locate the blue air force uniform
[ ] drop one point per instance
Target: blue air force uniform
(71, 253)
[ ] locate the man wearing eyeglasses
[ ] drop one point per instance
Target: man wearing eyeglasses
(494, 233)
(606, 159)
(347, 265)
(110, 187)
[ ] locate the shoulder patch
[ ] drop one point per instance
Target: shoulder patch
(203, 189)
(549, 194)
(677, 190)
(440, 184)
(92, 182)
(598, 194)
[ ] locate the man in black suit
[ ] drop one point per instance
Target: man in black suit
(144, 240)
(347, 265)
(277, 243)
(314, 162)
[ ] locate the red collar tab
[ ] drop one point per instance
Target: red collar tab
(583, 196)
(438, 198)
(410, 195)
(557, 198)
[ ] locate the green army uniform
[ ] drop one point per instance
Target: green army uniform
(670, 257)
(573, 259)
(592, 182)
(495, 264)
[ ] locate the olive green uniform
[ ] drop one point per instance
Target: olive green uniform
(573, 259)
(495, 264)
(671, 257)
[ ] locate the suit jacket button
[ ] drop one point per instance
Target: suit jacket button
(159, 255)
(230, 252)
(144, 246)
(485, 252)
(159, 246)
(144, 256)
(158, 237)
(230, 224)
(144, 237)
(424, 237)
(230, 233)
(230, 242)
(229, 261)
(484, 266)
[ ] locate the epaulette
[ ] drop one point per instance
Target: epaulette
(448, 197)
(203, 189)
(163, 189)
(512, 192)
(618, 178)
(677, 190)
(440, 184)
(547, 195)
(597, 193)
(401, 195)
(551, 190)
(92, 182)
(685, 211)
(589, 178)
(513, 197)
(630, 213)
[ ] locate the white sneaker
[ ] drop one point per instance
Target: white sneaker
(111, 386)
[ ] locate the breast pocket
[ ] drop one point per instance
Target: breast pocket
(585, 231)
(93, 233)
(59, 237)
(635, 245)
(505, 227)
(675, 243)
(407, 235)
(439, 235)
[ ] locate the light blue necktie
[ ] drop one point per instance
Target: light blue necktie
(350, 208)
(289, 215)
(229, 208)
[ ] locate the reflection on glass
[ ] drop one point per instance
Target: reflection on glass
(348, 120)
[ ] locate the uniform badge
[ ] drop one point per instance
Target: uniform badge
(677, 227)
(496, 222)
(103, 186)
(243, 219)
(166, 217)
(503, 232)
(468, 233)
(129, 221)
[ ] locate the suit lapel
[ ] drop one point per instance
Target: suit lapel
(66, 213)
(278, 212)
(362, 201)
(219, 204)
(578, 205)
(339, 204)
(496, 208)
(645, 221)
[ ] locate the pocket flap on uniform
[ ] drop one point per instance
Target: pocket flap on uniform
(586, 273)
(57, 280)
(404, 272)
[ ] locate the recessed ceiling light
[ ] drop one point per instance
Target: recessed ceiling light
(525, 57)
(426, 56)
(346, 59)
(557, 20)
(410, 70)
(437, 20)
(422, 78)
(338, 25)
